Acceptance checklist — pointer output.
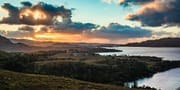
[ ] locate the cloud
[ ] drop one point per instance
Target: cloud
(110, 1)
(26, 29)
(126, 3)
(37, 14)
(156, 12)
(74, 27)
(81, 32)
(117, 31)
(45, 26)
(26, 3)
(13, 14)
(162, 33)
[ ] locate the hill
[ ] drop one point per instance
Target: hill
(9, 46)
(20, 81)
(164, 42)
(4, 41)
(31, 42)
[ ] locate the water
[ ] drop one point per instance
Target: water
(165, 53)
(169, 80)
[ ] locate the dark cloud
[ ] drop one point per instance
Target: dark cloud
(13, 14)
(75, 27)
(117, 31)
(158, 13)
(26, 29)
(126, 3)
(41, 13)
(60, 27)
(26, 3)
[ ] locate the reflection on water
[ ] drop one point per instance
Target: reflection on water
(169, 80)
(165, 53)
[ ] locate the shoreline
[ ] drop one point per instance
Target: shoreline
(153, 81)
(176, 64)
(168, 54)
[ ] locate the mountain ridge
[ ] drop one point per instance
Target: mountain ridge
(163, 42)
(8, 46)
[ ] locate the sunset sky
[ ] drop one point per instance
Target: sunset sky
(98, 21)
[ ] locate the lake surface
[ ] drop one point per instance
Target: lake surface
(168, 80)
(166, 53)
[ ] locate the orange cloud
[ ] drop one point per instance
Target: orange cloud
(64, 37)
(57, 37)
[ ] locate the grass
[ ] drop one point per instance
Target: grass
(20, 81)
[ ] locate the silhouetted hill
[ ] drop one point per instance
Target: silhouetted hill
(31, 42)
(7, 45)
(164, 42)
(4, 41)
(60, 44)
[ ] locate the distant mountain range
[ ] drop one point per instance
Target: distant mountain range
(9, 46)
(59, 44)
(22, 45)
(31, 42)
(164, 42)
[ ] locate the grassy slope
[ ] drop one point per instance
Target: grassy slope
(20, 81)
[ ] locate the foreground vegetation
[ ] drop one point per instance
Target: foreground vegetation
(83, 66)
(19, 81)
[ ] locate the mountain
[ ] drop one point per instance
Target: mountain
(163, 42)
(60, 44)
(7, 45)
(4, 41)
(31, 42)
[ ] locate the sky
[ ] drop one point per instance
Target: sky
(92, 21)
